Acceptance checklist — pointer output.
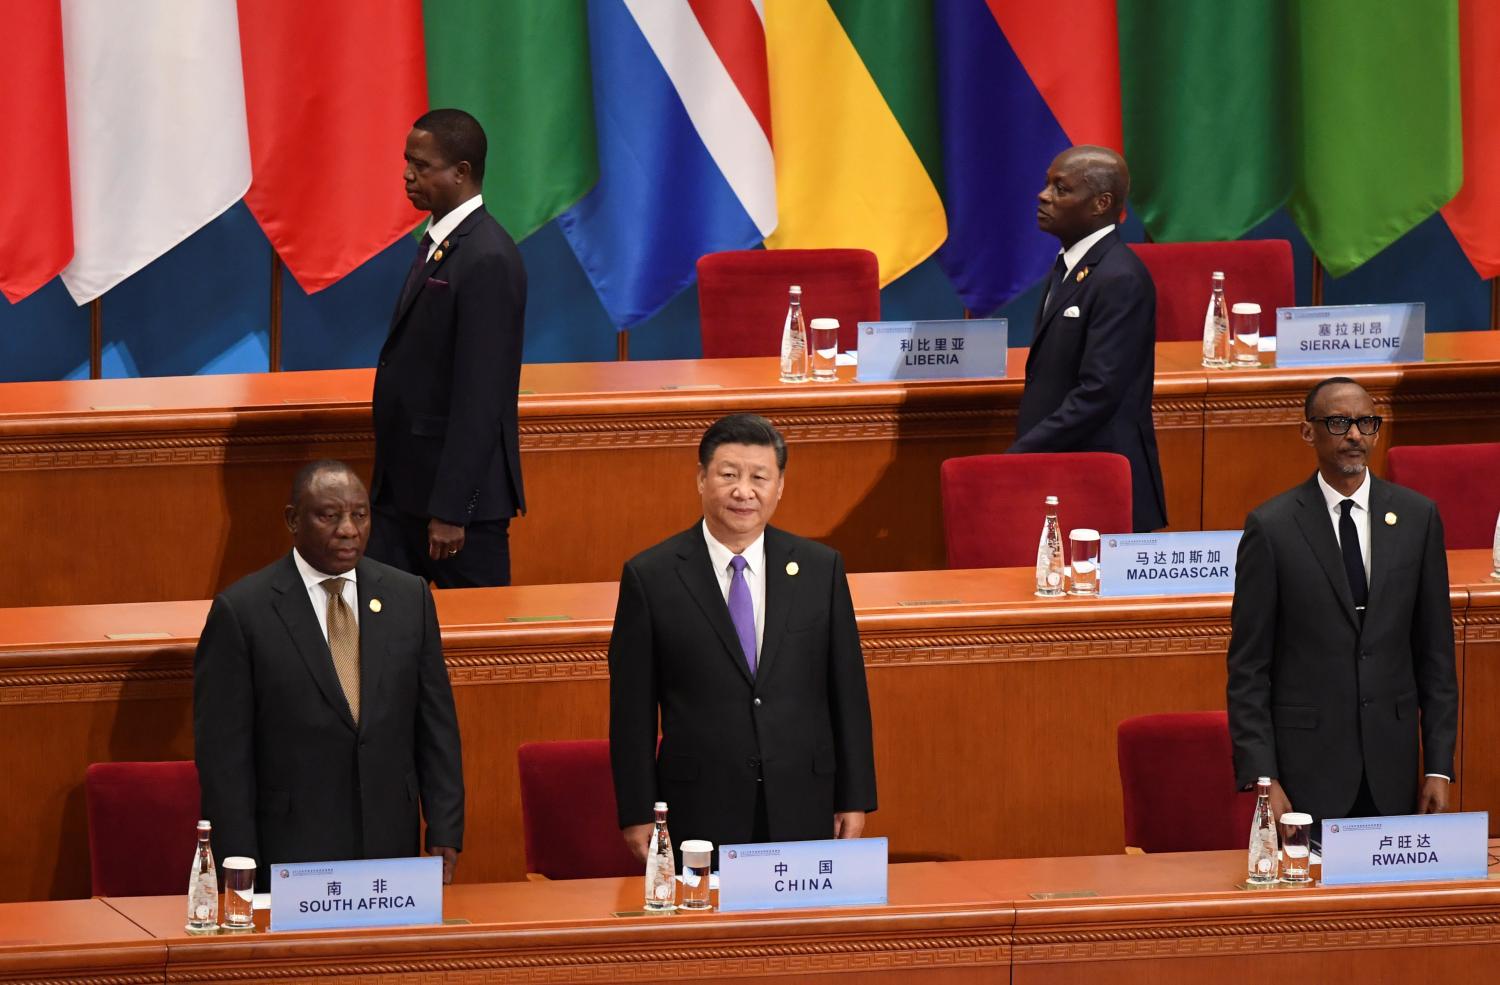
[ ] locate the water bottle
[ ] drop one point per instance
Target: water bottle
(794, 341)
(661, 868)
(1216, 339)
(1495, 551)
(1261, 868)
(203, 887)
(1049, 554)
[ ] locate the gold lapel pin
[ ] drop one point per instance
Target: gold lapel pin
(374, 605)
(1082, 274)
(1390, 519)
(446, 245)
(438, 255)
(791, 568)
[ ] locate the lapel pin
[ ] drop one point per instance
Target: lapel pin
(438, 255)
(446, 245)
(1081, 275)
(791, 568)
(1390, 519)
(374, 605)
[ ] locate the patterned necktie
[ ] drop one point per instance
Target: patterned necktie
(414, 275)
(343, 643)
(1354, 562)
(742, 610)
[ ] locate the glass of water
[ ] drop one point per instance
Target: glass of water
(696, 875)
(1244, 318)
(1295, 830)
(1083, 553)
(825, 349)
(238, 912)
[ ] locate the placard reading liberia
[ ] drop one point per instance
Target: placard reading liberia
(1351, 334)
(795, 874)
(365, 893)
(1407, 848)
(962, 348)
(1191, 562)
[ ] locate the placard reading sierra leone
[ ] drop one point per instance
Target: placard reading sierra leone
(948, 349)
(1189, 562)
(1351, 334)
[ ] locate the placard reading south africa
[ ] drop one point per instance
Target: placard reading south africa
(1189, 562)
(1351, 334)
(790, 875)
(381, 892)
(949, 349)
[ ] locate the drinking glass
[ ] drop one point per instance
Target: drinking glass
(825, 349)
(1295, 829)
(1083, 553)
(238, 912)
(696, 875)
(1244, 318)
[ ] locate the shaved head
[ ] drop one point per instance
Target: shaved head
(1104, 171)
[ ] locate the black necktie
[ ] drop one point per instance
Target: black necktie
(414, 275)
(1354, 563)
(1054, 283)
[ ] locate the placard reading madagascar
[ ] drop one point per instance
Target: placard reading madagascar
(1190, 562)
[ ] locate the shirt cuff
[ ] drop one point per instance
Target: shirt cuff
(1442, 776)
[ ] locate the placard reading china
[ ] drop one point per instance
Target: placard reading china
(793, 874)
(380, 892)
(949, 349)
(1351, 334)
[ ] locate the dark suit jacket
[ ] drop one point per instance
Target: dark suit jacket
(1317, 699)
(1089, 378)
(446, 386)
(803, 721)
(286, 775)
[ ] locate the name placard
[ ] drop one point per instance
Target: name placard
(365, 893)
(1190, 562)
(1408, 848)
(792, 875)
(1351, 334)
(950, 349)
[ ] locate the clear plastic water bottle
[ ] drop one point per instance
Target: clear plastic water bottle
(1495, 551)
(1216, 339)
(661, 867)
(203, 886)
(1049, 554)
(794, 341)
(1261, 867)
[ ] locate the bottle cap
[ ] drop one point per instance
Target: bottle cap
(796, 289)
(1051, 500)
(1218, 275)
(1263, 779)
(1296, 817)
(697, 853)
(825, 323)
(1245, 308)
(205, 826)
(660, 805)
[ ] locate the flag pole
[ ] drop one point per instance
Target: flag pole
(622, 345)
(96, 338)
(275, 332)
(1494, 303)
(1317, 282)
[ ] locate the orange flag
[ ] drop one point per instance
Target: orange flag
(1474, 213)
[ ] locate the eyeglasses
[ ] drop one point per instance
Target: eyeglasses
(1341, 425)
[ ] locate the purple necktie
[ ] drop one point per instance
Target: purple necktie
(742, 610)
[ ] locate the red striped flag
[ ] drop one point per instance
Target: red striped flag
(1474, 213)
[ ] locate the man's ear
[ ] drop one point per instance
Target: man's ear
(1104, 204)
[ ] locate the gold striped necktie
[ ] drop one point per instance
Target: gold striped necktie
(343, 642)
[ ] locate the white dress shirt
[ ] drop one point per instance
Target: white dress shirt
(1360, 514)
(444, 227)
(755, 577)
(1075, 253)
(313, 579)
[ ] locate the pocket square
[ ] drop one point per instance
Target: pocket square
(434, 282)
(1070, 312)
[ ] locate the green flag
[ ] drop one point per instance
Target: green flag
(1204, 93)
(522, 68)
(1380, 135)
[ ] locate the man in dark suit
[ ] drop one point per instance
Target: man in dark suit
(322, 714)
(447, 474)
(1341, 656)
(1093, 357)
(743, 637)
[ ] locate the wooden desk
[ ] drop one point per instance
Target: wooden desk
(82, 940)
(171, 488)
(991, 708)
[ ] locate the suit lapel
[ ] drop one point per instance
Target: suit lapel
(1072, 286)
(697, 573)
(445, 250)
(1317, 528)
(1382, 542)
(780, 552)
(294, 607)
(372, 646)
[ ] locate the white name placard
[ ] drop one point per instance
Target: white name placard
(366, 893)
(1408, 848)
(949, 349)
(797, 874)
(1351, 334)
(1189, 562)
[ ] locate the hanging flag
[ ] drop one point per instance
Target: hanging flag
(1380, 138)
(522, 68)
(36, 212)
(684, 161)
(853, 95)
(156, 130)
(1204, 96)
(1474, 215)
(331, 90)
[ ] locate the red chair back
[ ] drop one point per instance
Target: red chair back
(1464, 481)
(1258, 270)
(143, 821)
(994, 505)
(568, 811)
(1177, 775)
(742, 296)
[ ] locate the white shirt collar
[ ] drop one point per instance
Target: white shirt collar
(754, 554)
(1074, 253)
(443, 228)
(1333, 497)
(313, 578)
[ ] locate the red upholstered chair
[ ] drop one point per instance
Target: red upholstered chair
(994, 505)
(1464, 481)
(1258, 270)
(1177, 774)
(142, 826)
(742, 296)
(568, 811)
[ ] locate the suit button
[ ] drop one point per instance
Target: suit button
(382, 362)
(1364, 655)
(753, 763)
(757, 702)
(1365, 703)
